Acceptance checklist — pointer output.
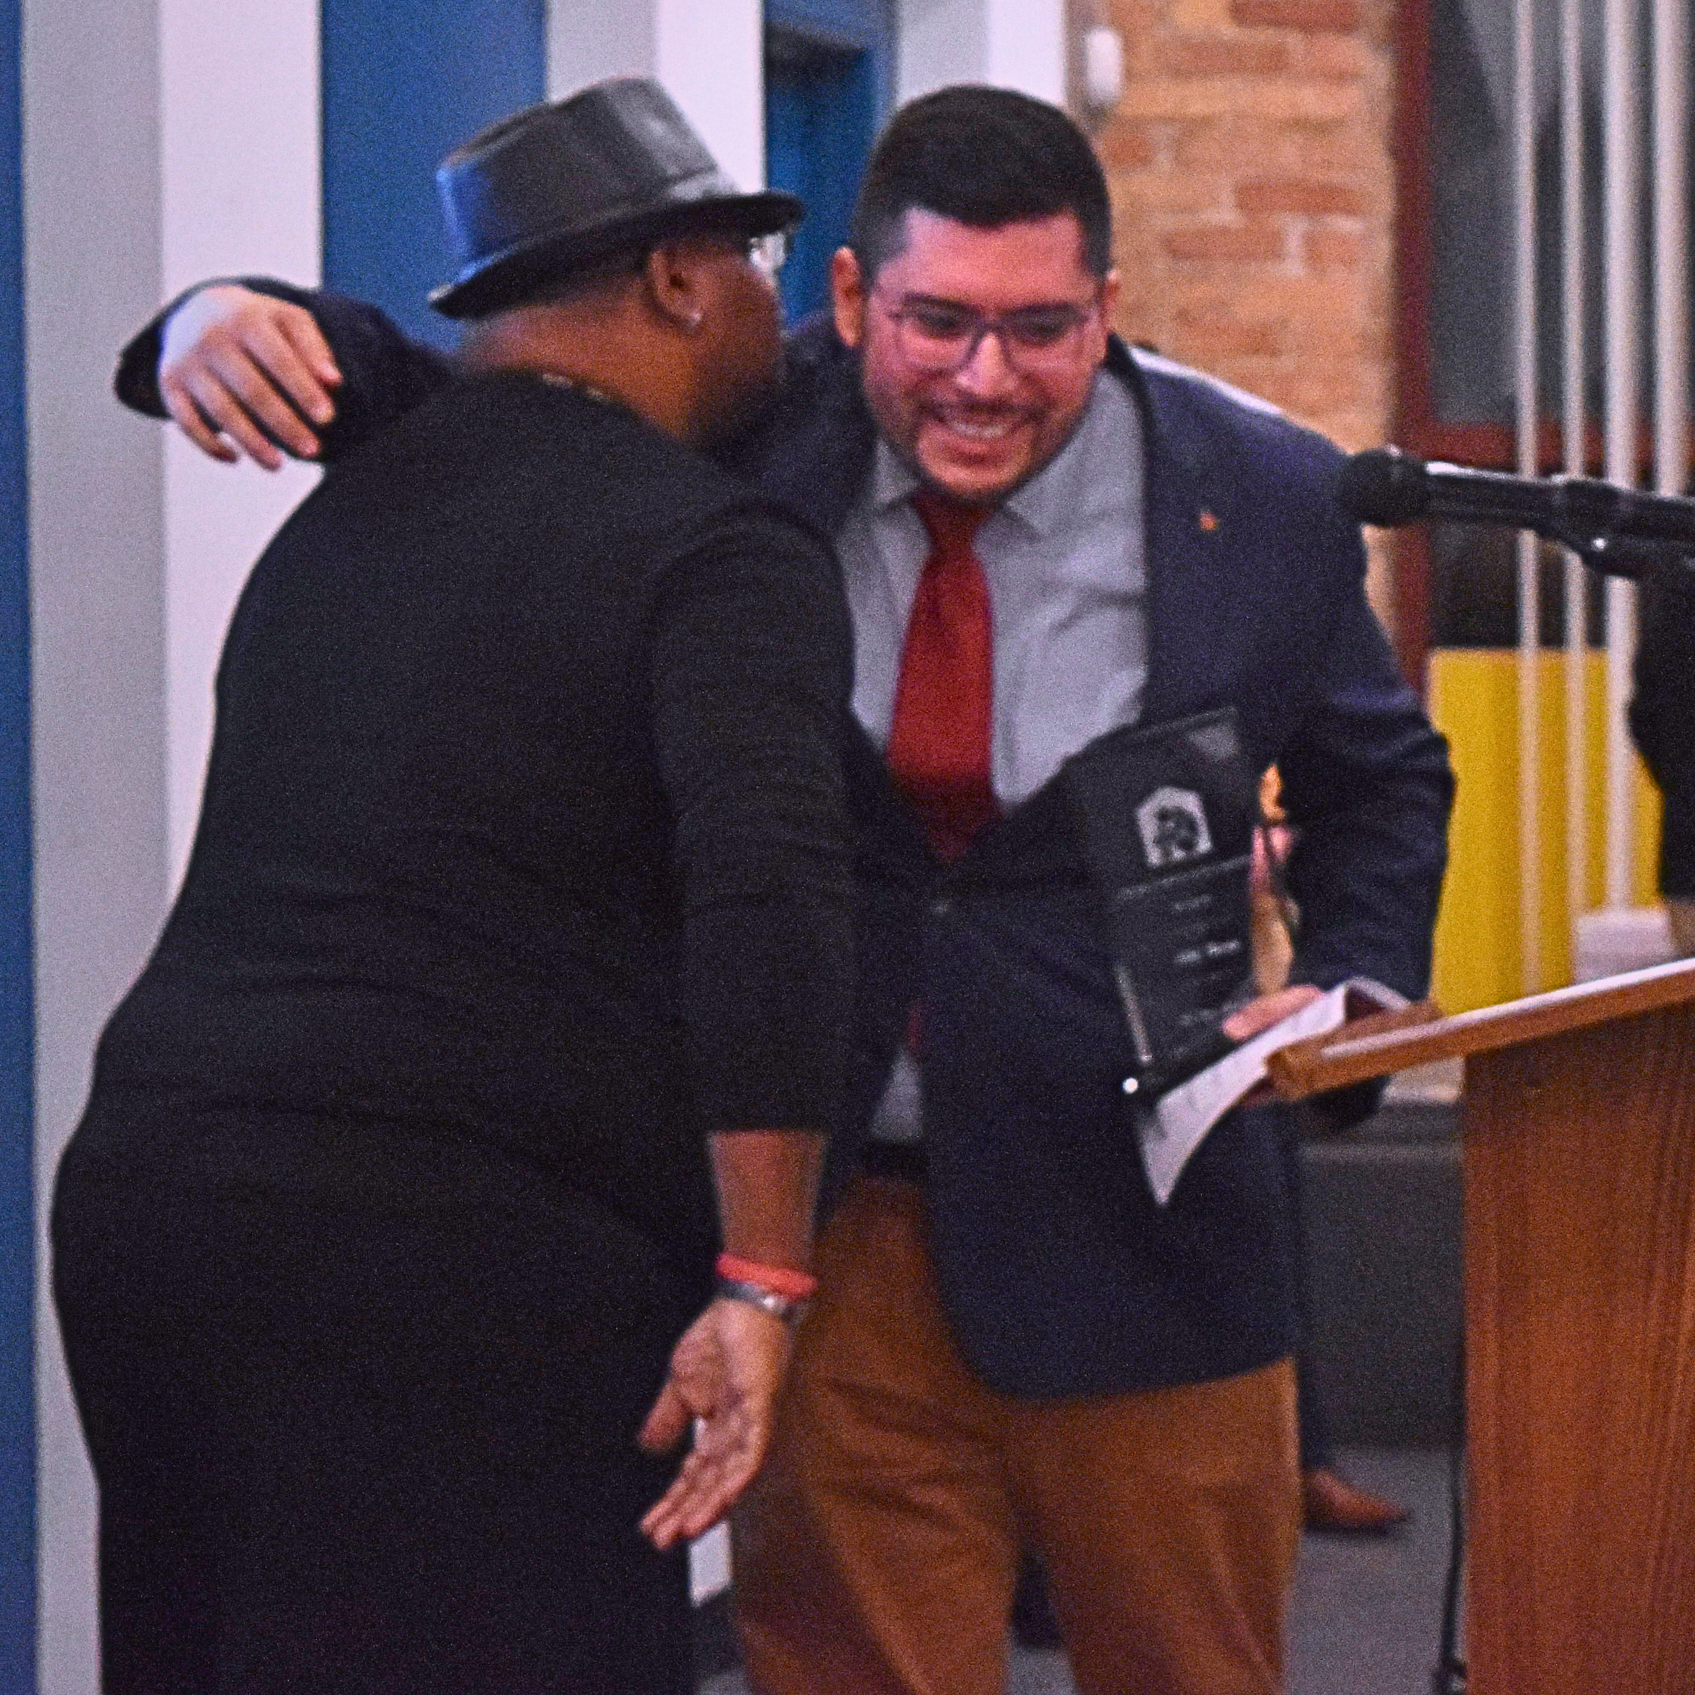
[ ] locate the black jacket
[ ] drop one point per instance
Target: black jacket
(524, 811)
(1662, 719)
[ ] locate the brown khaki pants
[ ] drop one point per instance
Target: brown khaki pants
(877, 1553)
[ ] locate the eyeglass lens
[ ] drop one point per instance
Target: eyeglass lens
(941, 336)
(768, 252)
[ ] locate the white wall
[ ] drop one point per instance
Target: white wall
(91, 210)
(709, 57)
(147, 125)
(1011, 43)
(591, 39)
(241, 193)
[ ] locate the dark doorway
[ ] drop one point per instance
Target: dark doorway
(828, 80)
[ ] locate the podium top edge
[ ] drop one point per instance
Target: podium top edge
(1331, 1062)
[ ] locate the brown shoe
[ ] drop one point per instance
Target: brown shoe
(1336, 1507)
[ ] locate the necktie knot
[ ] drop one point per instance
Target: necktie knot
(951, 526)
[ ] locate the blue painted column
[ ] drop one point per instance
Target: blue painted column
(17, 1018)
(402, 86)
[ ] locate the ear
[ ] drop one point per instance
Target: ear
(847, 292)
(1111, 287)
(677, 284)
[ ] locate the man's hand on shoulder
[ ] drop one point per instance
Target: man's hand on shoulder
(242, 373)
(725, 1373)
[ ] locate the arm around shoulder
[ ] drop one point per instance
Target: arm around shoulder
(258, 367)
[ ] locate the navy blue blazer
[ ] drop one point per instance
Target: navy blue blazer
(1060, 1273)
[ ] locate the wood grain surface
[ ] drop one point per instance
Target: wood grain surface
(1579, 1161)
(1355, 1052)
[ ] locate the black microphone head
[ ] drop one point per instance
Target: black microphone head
(1383, 486)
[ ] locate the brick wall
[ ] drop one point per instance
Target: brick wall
(1251, 172)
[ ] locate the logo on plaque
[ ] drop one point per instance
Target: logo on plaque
(1174, 830)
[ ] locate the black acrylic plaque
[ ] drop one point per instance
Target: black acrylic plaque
(1167, 815)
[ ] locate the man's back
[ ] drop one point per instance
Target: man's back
(485, 744)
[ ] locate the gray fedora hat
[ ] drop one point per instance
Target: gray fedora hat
(555, 188)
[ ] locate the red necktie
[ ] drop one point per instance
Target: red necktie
(939, 741)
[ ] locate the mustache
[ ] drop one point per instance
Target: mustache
(981, 411)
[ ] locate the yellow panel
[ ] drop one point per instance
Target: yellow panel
(1474, 702)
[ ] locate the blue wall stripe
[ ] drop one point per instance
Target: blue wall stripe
(829, 82)
(403, 85)
(835, 23)
(17, 1017)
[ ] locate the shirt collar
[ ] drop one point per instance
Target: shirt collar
(892, 479)
(1061, 491)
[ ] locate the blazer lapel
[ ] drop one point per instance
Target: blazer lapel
(1190, 532)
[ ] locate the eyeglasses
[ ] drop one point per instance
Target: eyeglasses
(767, 253)
(942, 336)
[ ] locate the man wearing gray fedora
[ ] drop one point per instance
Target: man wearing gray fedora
(505, 990)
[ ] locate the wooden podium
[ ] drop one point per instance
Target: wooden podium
(1578, 1120)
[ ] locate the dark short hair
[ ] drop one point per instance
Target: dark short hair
(983, 157)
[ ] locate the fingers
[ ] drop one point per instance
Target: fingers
(243, 373)
(1271, 1009)
(189, 420)
(250, 373)
(283, 366)
(307, 340)
(666, 1423)
(207, 411)
(725, 1373)
(725, 1460)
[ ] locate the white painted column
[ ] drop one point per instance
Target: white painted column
(1671, 245)
(164, 139)
(1010, 43)
(710, 58)
(241, 194)
(1024, 46)
(588, 41)
(91, 227)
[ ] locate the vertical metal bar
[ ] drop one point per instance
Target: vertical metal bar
(1622, 170)
(1528, 421)
(1671, 240)
(1574, 305)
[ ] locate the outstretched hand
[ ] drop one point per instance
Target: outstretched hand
(725, 1374)
(244, 374)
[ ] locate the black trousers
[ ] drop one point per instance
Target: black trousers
(362, 1406)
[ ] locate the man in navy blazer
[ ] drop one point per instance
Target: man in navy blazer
(1013, 1342)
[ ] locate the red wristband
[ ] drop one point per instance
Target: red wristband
(781, 1280)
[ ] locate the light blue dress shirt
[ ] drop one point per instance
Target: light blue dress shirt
(1064, 561)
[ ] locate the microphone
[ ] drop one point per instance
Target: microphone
(1616, 529)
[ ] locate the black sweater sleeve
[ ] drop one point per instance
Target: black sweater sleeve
(384, 373)
(751, 665)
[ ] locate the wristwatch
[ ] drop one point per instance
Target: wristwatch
(788, 1308)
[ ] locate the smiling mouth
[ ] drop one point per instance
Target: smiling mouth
(995, 427)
